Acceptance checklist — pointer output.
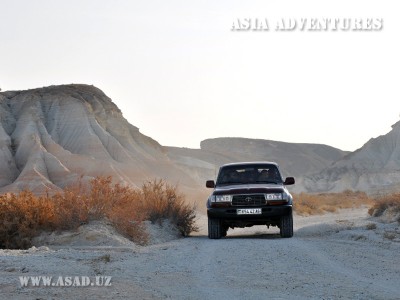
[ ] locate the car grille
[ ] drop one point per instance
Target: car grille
(248, 200)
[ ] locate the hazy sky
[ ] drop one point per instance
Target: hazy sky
(179, 73)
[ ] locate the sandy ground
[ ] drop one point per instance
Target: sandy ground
(334, 256)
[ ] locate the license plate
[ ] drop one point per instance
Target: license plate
(248, 211)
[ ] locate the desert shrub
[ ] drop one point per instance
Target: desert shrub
(70, 208)
(102, 199)
(312, 204)
(388, 206)
(24, 215)
(163, 201)
(125, 211)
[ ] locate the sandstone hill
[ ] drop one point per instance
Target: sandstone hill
(51, 136)
(294, 159)
(374, 168)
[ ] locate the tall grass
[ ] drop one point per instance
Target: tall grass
(25, 215)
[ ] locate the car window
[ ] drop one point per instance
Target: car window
(249, 174)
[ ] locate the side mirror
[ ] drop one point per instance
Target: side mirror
(289, 181)
(210, 184)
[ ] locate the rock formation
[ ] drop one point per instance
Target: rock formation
(49, 137)
(374, 168)
(294, 159)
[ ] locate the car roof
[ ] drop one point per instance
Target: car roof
(251, 163)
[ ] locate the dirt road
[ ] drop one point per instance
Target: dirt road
(330, 257)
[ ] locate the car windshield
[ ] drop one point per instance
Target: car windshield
(249, 174)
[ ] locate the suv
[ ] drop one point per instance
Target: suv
(248, 194)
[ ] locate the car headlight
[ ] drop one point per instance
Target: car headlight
(221, 198)
(274, 196)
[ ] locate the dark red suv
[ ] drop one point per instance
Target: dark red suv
(247, 194)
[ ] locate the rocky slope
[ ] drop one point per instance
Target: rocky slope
(51, 136)
(294, 159)
(373, 168)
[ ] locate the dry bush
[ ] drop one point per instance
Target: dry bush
(24, 215)
(125, 211)
(388, 206)
(162, 201)
(313, 204)
(70, 208)
(104, 200)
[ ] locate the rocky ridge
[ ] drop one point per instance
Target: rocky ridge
(374, 168)
(294, 159)
(50, 137)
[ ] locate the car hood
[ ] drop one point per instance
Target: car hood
(248, 189)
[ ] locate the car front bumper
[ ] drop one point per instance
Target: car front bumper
(267, 212)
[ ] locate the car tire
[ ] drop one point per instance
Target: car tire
(286, 226)
(215, 230)
(225, 231)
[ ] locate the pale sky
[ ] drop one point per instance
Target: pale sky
(179, 73)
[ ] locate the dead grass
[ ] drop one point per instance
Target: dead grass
(25, 215)
(314, 204)
(387, 206)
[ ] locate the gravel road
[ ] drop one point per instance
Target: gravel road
(330, 257)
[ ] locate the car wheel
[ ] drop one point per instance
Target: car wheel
(215, 230)
(287, 226)
(225, 231)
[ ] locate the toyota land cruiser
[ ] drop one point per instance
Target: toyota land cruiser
(247, 194)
